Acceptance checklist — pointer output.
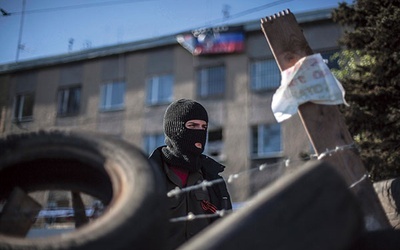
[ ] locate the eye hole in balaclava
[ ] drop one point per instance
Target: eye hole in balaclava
(179, 139)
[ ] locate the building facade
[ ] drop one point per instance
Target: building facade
(124, 90)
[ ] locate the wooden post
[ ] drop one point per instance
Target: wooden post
(79, 210)
(18, 214)
(324, 124)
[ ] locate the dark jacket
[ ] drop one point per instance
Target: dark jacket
(180, 206)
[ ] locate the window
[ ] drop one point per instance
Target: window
(69, 101)
(264, 75)
(211, 82)
(215, 145)
(112, 96)
(23, 107)
(152, 142)
(331, 62)
(159, 89)
(266, 140)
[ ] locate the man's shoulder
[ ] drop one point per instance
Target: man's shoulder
(211, 166)
(156, 155)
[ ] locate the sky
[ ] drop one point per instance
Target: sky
(53, 27)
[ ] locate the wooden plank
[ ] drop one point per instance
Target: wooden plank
(79, 210)
(312, 209)
(18, 214)
(324, 124)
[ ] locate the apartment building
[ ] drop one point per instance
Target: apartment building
(124, 90)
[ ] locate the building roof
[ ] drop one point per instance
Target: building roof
(87, 54)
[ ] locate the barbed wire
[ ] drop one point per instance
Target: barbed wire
(359, 181)
(221, 213)
(191, 216)
(203, 185)
(262, 167)
(333, 151)
(286, 162)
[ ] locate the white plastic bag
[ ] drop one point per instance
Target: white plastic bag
(309, 80)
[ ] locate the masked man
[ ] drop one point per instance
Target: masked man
(185, 128)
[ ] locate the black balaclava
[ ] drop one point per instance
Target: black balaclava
(181, 151)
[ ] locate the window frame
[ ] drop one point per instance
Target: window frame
(65, 104)
(263, 129)
(153, 141)
(153, 94)
(215, 144)
(19, 103)
(106, 91)
(260, 76)
(204, 82)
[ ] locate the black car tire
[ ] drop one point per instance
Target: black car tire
(103, 166)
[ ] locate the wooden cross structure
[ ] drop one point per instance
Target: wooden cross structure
(324, 124)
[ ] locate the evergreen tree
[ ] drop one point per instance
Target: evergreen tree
(370, 74)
